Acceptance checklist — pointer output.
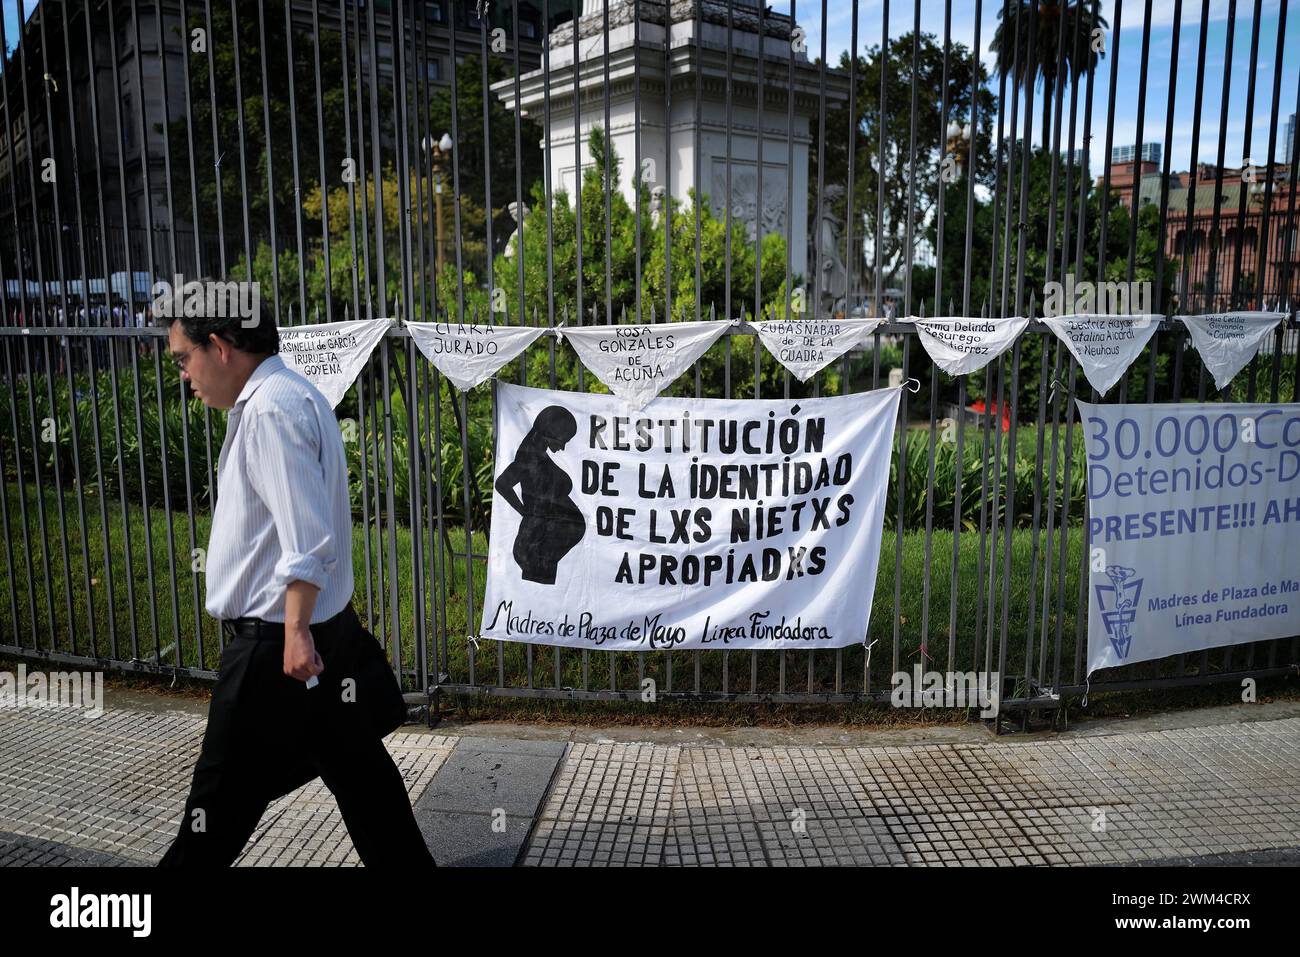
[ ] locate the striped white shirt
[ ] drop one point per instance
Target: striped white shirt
(282, 512)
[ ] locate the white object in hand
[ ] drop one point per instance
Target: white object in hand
(312, 682)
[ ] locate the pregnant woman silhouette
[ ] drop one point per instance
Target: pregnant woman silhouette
(551, 524)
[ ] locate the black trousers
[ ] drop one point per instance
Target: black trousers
(268, 734)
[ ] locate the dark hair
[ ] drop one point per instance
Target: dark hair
(261, 338)
(555, 423)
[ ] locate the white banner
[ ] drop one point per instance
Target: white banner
(468, 353)
(638, 362)
(1228, 340)
(1105, 346)
(694, 523)
(960, 346)
(1193, 527)
(331, 354)
(806, 346)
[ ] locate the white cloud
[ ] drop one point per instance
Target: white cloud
(1162, 13)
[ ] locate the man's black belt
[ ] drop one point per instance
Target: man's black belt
(259, 629)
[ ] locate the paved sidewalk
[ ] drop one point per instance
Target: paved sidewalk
(115, 786)
(110, 791)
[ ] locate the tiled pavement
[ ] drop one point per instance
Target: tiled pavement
(75, 790)
(114, 787)
(1116, 798)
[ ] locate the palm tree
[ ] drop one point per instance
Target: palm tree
(1077, 19)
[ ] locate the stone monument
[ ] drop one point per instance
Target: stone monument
(681, 151)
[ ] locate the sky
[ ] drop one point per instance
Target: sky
(1162, 71)
(11, 18)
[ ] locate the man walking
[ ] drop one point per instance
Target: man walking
(279, 577)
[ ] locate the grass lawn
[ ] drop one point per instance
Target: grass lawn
(175, 640)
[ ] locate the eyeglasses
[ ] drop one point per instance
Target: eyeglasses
(183, 358)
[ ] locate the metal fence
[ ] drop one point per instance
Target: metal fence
(916, 202)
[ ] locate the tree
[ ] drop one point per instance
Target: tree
(343, 241)
(472, 154)
(955, 276)
(253, 134)
(623, 276)
(893, 178)
(1050, 20)
(1114, 262)
(622, 254)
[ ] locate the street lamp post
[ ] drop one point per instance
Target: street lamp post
(958, 143)
(1258, 195)
(438, 153)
